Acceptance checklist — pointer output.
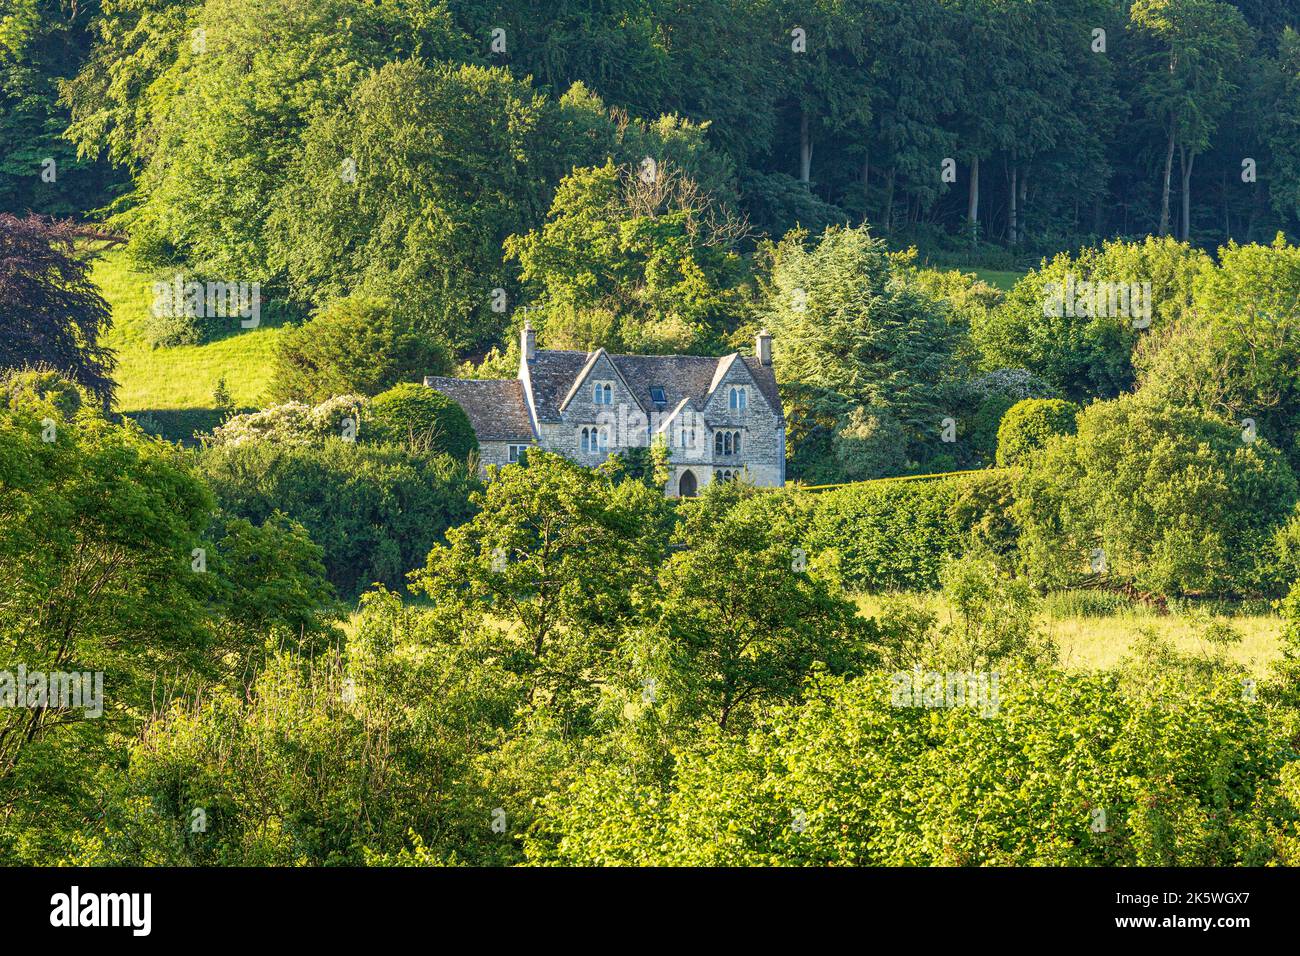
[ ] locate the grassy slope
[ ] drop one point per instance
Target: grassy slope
(183, 377)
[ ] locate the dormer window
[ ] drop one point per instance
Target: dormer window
(738, 398)
(657, 395)
(602, 393)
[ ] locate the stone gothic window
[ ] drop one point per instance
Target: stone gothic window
(602, 393)
(726, 443)
(738, 398)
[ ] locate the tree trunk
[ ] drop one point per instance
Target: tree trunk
(805, 149)
(973, 203)
(1011, 206)
(1023, 175)
(889, 201)
(1186, 160)
(1164, 193)
(866, 183)
(1227, 222)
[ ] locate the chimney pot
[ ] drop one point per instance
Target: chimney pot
(528, 342)
(763, 348)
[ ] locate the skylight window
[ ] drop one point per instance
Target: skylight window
(657, 395)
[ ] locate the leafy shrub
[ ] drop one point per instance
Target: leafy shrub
(376, 510)
(1177, 777)
(44, 386)
(988, 620)
(171, 327)
(1028, 424)
(296, 745)
(354, 345)
(422, 418)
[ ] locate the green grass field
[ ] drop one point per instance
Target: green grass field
(1093, 641)
(181, 378)
(999, 278)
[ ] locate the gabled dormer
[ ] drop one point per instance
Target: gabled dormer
(600, 385)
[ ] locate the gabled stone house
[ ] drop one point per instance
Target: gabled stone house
(721, 417)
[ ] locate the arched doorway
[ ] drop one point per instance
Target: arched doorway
(686, 485)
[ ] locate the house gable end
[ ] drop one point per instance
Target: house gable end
(733, 371)
(599, 366)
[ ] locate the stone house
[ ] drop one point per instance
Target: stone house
(721, 417)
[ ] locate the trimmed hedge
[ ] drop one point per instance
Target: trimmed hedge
(896, 535)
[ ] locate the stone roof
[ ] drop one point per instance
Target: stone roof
(496, 407)
(553, 372)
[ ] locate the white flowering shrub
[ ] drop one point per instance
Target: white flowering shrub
(294, 423)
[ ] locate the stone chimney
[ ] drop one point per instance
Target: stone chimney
(763, 348)
(528, 342)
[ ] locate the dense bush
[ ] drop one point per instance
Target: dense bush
(376, 510)
(1168, 500)
(896, 535)
(112, 563)
(283, 768)
(1027, 425)
(38, 386)
(421, 418)
(353, 345)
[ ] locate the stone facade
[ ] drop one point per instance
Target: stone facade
(721, 417)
